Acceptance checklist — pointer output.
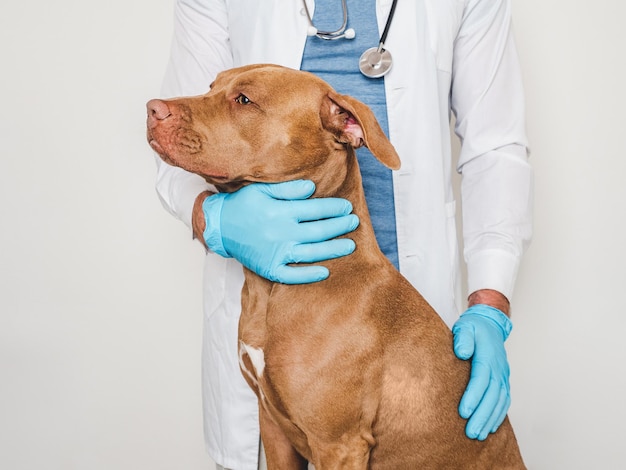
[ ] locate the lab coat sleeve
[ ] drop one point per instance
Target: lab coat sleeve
(200, 50)
(487, 100)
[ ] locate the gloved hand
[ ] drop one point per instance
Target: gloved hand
(267, 226)
(480, 333)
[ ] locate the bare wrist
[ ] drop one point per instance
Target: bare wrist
(490, 297)
(198, 222)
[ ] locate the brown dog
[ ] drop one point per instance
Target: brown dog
(356, 371)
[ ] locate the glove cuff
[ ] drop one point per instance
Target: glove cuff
(212, 208)
(493, 314)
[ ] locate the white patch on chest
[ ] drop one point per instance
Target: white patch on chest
(257, 357)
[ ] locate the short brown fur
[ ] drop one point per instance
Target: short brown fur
(359, 370)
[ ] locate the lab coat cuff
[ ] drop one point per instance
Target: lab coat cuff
(178, 190)
(186, 200)
(492, 269)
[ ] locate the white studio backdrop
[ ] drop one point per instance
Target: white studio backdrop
(100, 289)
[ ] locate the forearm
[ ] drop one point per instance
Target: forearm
(497, 218)
(488, 101)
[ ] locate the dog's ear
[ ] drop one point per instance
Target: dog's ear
(354, 123)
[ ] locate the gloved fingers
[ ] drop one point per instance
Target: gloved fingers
(464, 339)
(501, 410)
(480, 422)
(327, 229)
(320, 208)
(289, 190)
(476, 388)
(314, 252)
(299, 275)
(496, 414)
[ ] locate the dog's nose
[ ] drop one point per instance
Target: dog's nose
(157, 111)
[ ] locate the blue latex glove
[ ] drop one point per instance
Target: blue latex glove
(268, 226)
(480, 333)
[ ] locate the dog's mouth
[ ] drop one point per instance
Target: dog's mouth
(155, 145)
(153, 142)
(158, 148)
(213, 176)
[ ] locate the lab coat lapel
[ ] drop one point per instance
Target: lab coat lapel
(270, 31)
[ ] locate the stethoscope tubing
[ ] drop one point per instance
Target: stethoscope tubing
(330, 35)
(383, 37)
(375, 62)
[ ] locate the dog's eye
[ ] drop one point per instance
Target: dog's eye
(242, 99)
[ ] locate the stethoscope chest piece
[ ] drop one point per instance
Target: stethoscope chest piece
(375, 62)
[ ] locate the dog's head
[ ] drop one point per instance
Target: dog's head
(265, 123)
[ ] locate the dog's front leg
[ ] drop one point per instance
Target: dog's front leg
(279, 452)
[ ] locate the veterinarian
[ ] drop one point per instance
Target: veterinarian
(447, 56)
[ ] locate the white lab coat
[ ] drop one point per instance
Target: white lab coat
(448, 54)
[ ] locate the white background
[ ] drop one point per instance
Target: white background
(100, 289)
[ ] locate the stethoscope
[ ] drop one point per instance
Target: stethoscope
(374, 62)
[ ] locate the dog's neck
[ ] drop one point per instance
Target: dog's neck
(257, 290)
(351, 188)
(347, 184)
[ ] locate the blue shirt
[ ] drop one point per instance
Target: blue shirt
(337, 62)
